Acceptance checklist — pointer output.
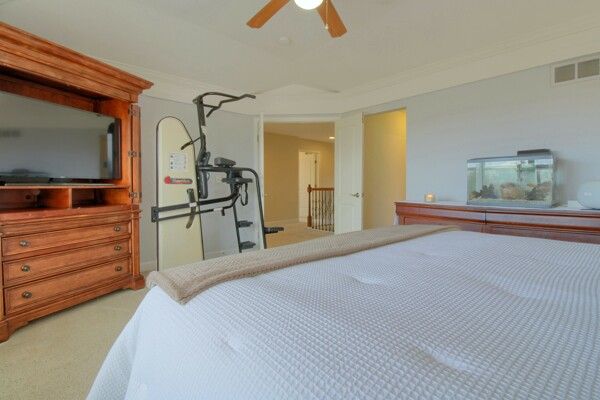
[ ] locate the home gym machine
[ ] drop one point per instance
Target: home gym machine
(198, 202)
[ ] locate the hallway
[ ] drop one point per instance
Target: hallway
(294, 232)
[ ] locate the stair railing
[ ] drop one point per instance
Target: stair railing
(320, 209)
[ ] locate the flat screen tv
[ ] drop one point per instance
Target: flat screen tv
(43, 142)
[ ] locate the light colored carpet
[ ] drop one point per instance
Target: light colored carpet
(294, 233)
(58, 357)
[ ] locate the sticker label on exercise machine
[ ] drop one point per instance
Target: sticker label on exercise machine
(178, 162)
(178, 181)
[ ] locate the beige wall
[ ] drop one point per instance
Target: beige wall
(281, 173)
(384, 179)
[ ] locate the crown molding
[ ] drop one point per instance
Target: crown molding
(304, 118)
(563, 42)
(553, 44)
(176, 88)
(546, 34)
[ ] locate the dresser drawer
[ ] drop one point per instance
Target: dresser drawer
(29, 243)
(463, 225)
(32, 268)
(41, 224)
(37, 293)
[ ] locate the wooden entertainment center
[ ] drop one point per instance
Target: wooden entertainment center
(61, 245)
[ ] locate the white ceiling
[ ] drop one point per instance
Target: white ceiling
(186, 43)
(319, 131)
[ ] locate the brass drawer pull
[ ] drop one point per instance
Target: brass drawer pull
(117, 228)
(24, 243)
(25, 268)
(118, 248)
(118, 268)
(26, 295)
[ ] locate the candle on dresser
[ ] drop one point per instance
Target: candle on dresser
(430, 198)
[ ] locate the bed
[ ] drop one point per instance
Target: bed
(452, 315)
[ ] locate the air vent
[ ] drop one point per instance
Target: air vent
(576, 70)
(564, 73)
(587, 69)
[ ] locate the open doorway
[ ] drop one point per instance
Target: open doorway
(384, 166)
(298, 180)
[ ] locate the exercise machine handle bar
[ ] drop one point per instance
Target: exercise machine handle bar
(199, 102)
(157, 218)
(233, 197)
(229, 99)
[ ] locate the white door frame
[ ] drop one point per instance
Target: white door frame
(318, 159)
(298, 119)
(259, 166)
(317, 172)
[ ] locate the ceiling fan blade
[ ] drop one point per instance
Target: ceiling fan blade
(266, 13)
(332, 19)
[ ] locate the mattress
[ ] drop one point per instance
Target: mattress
(456, 315)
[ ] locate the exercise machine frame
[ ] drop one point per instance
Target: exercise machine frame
(234, 177)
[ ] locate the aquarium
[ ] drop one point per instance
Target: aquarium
(525, 180)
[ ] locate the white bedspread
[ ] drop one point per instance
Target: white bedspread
(456, 315)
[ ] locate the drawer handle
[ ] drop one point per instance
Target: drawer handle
(24, 243)
(26, 295)
(118, 268)
(25, 268)
(118, 248)
(117, 228)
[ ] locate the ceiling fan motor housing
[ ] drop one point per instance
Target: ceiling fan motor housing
(327, 12)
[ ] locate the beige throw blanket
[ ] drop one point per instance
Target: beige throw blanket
(185, 282)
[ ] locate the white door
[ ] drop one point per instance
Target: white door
(307, 175)
(348, 173)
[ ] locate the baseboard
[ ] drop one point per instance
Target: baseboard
(148, 266)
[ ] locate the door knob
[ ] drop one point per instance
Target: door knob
(357, 195)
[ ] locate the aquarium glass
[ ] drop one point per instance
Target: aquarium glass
(521, 181)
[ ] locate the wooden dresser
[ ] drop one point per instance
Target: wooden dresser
(557, 223)
(62, 245)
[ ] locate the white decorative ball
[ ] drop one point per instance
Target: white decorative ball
(589, 195)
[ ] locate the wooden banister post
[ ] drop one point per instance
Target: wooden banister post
(309, 217)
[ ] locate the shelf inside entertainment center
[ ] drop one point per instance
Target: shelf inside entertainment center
(33, 200)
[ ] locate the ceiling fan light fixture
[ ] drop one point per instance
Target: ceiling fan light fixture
(308, 4)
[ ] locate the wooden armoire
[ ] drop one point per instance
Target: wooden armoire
(61, 245)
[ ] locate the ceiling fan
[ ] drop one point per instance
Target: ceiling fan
(329, 15)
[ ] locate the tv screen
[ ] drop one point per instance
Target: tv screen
(47, 142)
